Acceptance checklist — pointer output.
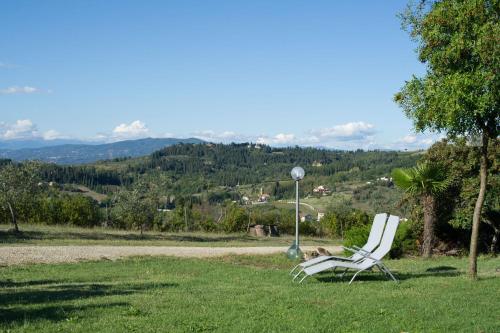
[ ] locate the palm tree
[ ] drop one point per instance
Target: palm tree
(424, 182)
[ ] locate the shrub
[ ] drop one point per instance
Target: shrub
(208, 225)
(356, 235)
(307, 228)
(235, 220)
(404, 243)
(80, 211)
(339, 220)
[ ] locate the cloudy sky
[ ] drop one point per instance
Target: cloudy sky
(320, 73)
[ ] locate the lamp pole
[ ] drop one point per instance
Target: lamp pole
(294, 251)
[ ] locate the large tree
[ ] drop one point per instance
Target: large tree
(456, 206)
(18, 189)
(459, 94)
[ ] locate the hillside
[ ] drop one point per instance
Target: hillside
(187, 169)
(210, 187)
(89, 153)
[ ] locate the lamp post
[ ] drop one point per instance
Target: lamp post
(294, 251)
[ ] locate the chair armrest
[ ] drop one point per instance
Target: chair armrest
(360, 249)
(350, 249)
(367, 256)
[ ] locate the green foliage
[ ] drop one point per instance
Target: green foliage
(79, 211)
(208, 224)
(456, 206)
(356, 235)
(423, 179)
(136, 208)
(76, 210)
(337, 221)
(458, 41)
(405, 241)
(235, 220)
(193, 168)
(18, 190)
(309, 228)
(379, 197)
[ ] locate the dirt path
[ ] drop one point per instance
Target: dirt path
(17, 255)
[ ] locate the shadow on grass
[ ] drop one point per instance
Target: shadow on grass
(20, 315)
(13, 284)
(19, 304)
(440, 271)
(49, 292)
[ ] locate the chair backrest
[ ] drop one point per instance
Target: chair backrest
(376, 232)
(387, 239)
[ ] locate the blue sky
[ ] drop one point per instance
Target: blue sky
(320, 73)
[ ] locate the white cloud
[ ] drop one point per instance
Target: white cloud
(280, 139)
(51, 135)
(231, 136)
(416, 141)
(283, 138)
(352, 131)
(351, 135)
(409, 139)
(19, 90)
(21, 129)
(25, 129)
(134, 130)
(225, 136)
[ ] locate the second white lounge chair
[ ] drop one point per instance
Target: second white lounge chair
(370, 260)
(373, 241)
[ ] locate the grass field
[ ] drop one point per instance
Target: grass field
(64, 235)
(245, 294)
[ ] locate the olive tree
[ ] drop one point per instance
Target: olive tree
(19, 185)
(136, 207)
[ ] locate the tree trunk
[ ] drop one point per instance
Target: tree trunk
(476, 219)
(429, 221)
(494, 239)
(13, 216)
(494, 242)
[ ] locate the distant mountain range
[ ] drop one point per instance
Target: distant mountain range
(77, 152)
(39, 143)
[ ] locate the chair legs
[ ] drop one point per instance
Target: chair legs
(380, 266)
(293, 269)
(388, 272)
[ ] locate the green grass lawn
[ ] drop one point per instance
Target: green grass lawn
(245, 294)
(64, 235)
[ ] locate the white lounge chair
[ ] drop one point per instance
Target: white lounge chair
(370, 260)
(373, 241)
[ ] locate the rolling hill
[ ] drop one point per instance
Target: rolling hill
(89, 153)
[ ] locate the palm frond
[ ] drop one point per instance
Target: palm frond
(424, 178)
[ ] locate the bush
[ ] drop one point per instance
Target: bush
(356, 235)
(235, 220)
(80, 211)
(208, 225)
(339, 220)
(404, 243)
(307, 228)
